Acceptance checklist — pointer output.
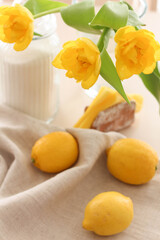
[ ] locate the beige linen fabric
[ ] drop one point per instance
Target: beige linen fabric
(40, 206)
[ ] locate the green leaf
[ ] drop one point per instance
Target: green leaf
(109, 73)
(37, 34)
(104, 39)
(152, 83)
(78, 16)
(134, 20)
(112, 15)
(128, 5)
(156, 70)
(43, 7)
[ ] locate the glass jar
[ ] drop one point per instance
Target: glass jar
(28, 81)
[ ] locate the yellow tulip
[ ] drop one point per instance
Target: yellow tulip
(136, 52)
(16, 26)
(81, 59)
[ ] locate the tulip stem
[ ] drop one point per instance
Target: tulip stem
(104, 39)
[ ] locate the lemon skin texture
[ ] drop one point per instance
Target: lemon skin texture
(132, 161)
(55, 152)
(108, 213)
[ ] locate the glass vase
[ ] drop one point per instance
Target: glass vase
(28, 81)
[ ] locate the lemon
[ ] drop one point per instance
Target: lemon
(132, 161)
(55, 152)
(108, 213)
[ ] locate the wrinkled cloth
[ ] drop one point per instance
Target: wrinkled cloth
(41, 206)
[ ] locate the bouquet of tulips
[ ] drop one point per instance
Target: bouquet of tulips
(136, 52)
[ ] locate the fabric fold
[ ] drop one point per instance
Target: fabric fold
(37, 205)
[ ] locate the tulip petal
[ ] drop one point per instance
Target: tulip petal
(57, 61)
(129, 47)
(89, 43)
(3, 19)
(69, 74)
(3, 7)
(146, 33)
(97, 65)
(157, 52)
(122, 31)
(2, 36)
(89, 49)
(25, 11)
(90, 81)
(23, 43)
(10, 11)
(149, 69)
(11, 34)
(69, 58)
(145, 60)
(87, 53)
(82, 73)
(69, 44)
(122, 70)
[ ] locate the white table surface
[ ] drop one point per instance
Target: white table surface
(73, 98)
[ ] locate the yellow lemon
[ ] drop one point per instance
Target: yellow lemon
(132, 161)
(108, 213)
(55, 152)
